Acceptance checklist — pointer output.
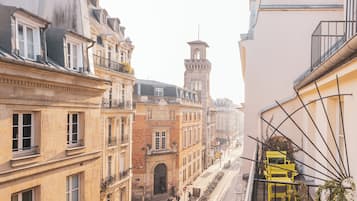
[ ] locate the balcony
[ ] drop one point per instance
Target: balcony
(329, 36)
(112, 141)
(124, 139)
(107, 182)
(124, 174)
(116, 104)
(111, 65)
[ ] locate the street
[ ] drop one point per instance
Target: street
(228, 188)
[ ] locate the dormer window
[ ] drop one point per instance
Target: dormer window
(74, 55)
(159, 92)
(28, 39)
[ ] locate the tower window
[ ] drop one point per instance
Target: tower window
(197, 54)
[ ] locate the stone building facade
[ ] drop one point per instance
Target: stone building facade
(229, 121)
(111, 57)
(88, 80)
(50, 142)
(166, 139)
(197, 78)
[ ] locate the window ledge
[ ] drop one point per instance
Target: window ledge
(18, 161)
(70, 151)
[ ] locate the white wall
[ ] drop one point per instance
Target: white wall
(278, 53)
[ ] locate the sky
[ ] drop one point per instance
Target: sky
(160, 30)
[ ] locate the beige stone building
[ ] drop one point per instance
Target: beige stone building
(229, 121)
(50, 137)
(112, 55)
(197, 78)
(167, 144)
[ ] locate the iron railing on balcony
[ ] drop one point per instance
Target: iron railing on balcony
(107, 182)
(327, 38)
(115, 103)
(124, 139)
(112, 141)
(123, 174)
(109, 64)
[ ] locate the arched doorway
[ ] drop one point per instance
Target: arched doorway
(160, 179)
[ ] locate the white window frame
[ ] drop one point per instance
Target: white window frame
(159, 91)
(71, 42)
(20, 132)
(19, 195)
(70, 125)
(70, 189)
(27, 23)
(160, 139)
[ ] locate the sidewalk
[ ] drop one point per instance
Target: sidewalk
(207, 176)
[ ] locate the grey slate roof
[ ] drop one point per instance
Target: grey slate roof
(147, 88)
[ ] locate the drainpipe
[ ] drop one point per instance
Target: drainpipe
(88, 63)
(45, 43)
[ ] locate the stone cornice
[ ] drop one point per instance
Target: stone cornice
(32, 170)
(32, 84)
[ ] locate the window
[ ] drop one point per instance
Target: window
(159, 92)
(122, 59)
(26, 37)
(109, 197)
(190, 138)
(99, 40)
(184, 175)
(74, 60)
(121, 163)
(163, 140)
(123, 93)
(160, 140)
(149, 114)
(122, 131)
(27, 195)
(73, 129)
(184, 139)
(109, 166)
(110, 139)
(22, 131)
(72, 188)
(157, 140)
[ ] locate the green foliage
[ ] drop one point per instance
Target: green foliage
(337, 190)
(280, 143)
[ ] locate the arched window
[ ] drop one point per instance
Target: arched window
(197, 54)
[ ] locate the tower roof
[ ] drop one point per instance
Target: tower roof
(198, 42)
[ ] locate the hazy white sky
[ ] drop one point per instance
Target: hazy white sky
(160, 30)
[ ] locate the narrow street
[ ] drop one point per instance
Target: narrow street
(228, 188)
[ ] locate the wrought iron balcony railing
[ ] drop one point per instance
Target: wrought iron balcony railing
(107, 182)
(124, 174)
(124, 139)
(109, 64)
(112, 141)
(327, 38)
(114, 103)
